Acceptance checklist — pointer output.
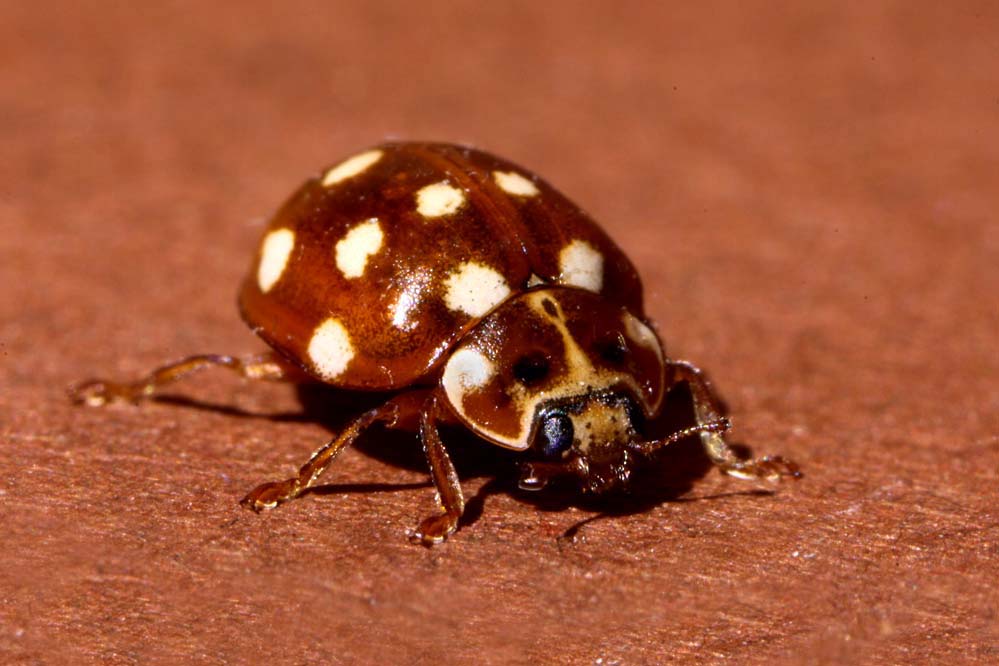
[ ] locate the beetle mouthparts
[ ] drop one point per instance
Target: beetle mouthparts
(536, 475)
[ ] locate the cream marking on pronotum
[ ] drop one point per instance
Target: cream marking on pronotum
(582, 266)
(439, 199)
(513, 183)
(641, 334)
(330, 349)
(274, 253)
(351, 167)
(475, 289)
(353, 250)
(467, 369)
(581, 378)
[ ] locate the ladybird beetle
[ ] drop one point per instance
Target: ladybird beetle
(474, 293)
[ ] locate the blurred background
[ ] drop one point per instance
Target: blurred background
(808, 189)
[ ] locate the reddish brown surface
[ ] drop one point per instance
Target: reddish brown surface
(810, 194)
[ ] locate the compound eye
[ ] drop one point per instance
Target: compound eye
(556, 434)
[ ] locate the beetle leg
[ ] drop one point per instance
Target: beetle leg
(436, 529)
(269, 365)
(396, 413)
(707, 411)
(651, 446)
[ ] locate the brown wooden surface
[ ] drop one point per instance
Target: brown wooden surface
(809, 192)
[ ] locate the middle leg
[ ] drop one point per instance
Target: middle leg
(401, 412)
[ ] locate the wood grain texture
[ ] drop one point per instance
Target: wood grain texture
(809, 193)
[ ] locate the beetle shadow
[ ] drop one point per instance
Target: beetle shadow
(665, 478)
(187, 402)
(637, 506)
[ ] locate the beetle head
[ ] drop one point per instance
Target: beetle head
(588, 437)
(563, 373)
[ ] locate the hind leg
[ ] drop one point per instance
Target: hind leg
(269, 366)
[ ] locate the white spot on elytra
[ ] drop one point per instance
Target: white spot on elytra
(330, 349)
(466, 370)
(274, 253)
(439, 199)
(353, 250)
(475, 289)
(582, 266)
(351, 167)
(512, 182)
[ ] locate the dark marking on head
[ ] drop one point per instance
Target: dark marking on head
(549, 306)
(613, 350)
(532, 368)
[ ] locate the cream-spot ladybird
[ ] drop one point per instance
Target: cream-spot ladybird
(472, 292)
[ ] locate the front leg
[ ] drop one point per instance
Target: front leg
(436, 529)
(711, 427)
